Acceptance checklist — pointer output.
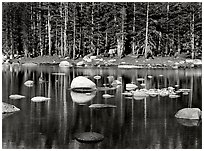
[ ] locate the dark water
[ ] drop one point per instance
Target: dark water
(134, 124)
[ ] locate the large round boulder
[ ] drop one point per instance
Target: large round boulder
(82, 83)
(189, 113)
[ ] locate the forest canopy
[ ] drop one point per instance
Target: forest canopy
(76, 29)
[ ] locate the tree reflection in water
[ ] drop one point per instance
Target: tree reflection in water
(134, 124)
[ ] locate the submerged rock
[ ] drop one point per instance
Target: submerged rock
(81, 82)
(29, 83)
(189, 113)
(98, 106)
(89, 137)
(40, 99)
(9, 108)
(16, 96)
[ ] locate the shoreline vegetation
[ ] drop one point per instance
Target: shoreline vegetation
(129, 61)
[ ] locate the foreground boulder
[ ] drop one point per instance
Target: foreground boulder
(82, 83)
(89, 137)
(189, 113)
(9, 108)
(82, 98)
(16, 96)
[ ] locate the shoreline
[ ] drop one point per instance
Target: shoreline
(126, 62)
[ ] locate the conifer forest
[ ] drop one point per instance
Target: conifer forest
(75, 29)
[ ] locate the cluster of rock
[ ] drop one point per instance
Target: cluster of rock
(188, 63)
(140, 94)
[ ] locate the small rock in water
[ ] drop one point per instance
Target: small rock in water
(97, 77)
(140, 79)
(9, 108)
(185, 90)
(149, 76)
(29, 83)
(164, 93)
(58, 73)
(102, 106)
(143, 84)
(185, 93)
(89, 137)
(116, 82)
(127, 94)
(172, 96)
(107, 96)
(16, 96)
(40, 99)
(131, 86)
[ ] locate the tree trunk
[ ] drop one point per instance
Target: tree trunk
(179, 45)
(106, 40)
(61, 37)
(56, 43)
(92, 27)
(98, 42)
(122, 38)
(49, 31)
(81, 32)
(65, 29)
(159, 45)
(146, 35)
(133, 43)
(33, 30)
(167, 35)
(192, 37)
(39, 27)
(74, 36)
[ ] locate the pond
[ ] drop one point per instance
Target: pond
(148, 123)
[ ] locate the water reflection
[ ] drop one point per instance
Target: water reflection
(145, 123)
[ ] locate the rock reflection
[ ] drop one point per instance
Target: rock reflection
(82, 98)
(149, 123)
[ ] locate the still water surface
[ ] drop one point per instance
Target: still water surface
(134, 124)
